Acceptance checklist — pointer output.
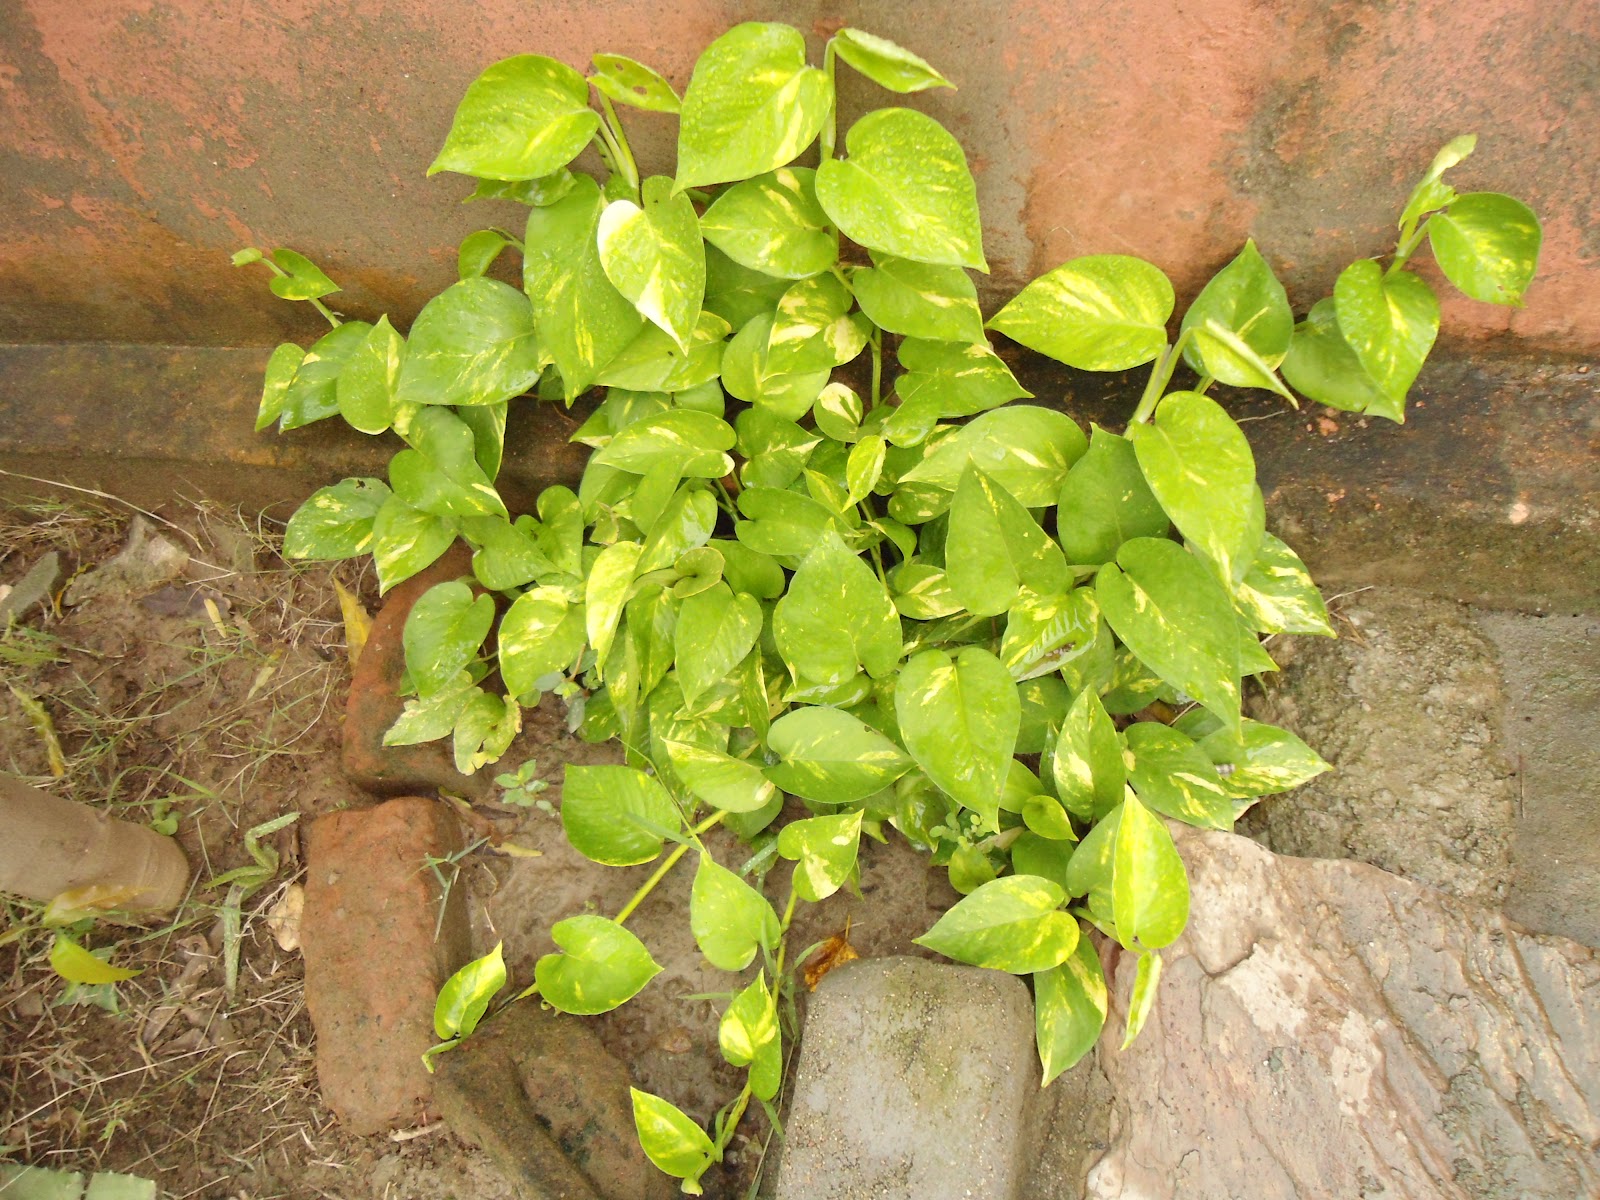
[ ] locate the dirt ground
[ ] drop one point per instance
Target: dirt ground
(226, 716)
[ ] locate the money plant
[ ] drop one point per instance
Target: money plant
(827, 575)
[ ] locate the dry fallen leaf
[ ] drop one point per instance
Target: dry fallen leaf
(357, 624)
(284, 919)
(834, 952)
(44, 727)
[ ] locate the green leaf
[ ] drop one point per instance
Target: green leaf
(885, 63)
(607, 589)
(654, 256)
(281, 368)
(336, 522)
(905, 190)
(428, 718)
(404, 541)
(478, 251)
(1170, 611)
(541, 634)
(919, 300)
(836, 618)
(1146, 979)
(838, 413)
(670, 1139)
(1043, 815)
(473, 343)
(443, 632)
(1087, 763)
(831, 756)
(524, 117)
(1246, 299)
(1432, 192)
(921, 592)
(864, 468)
(691, 442)
(536, 193)
(600, 966)
(1104, 312)
(484, 730)
(1263, 761)
(752, 106)
(1174, 777)
(995, 548)
(1070, 1003)
(749, 1035)
(304, 281)
(1277, 595)
(465, 996)
(1045, 701)
(76, 965)
(733, 785)
(730, 919)
(736, 293)
(615, 815)
(583, 321)
(773, 224)
(784, 523)
(628, 82)
(745, 374)
(1047, 632)
(1024, 448)
(1487, 245)
(749, 570)
(684, 524)
(1321, 364)
(442, 475)
(716, 629)
(1105, 501)
(959, 718)
(367, 387)
(823, 850)
(1149, 890)
(1199, 465)
(1390, 322)
(810, 331)
(313, 394)
(1011, 924)
(947, 379)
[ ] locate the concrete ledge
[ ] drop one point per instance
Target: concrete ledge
(1489, 493)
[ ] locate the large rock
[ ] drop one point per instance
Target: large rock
(1327, 1029)
(913, 1083)
(1406, 705)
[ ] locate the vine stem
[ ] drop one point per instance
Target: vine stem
(315, 303)
(619, 144)
(876, 342)
(1410, 238)
(667, 864)
(830, 125)
(1160, 376)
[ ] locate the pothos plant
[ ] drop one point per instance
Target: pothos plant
(819, 552)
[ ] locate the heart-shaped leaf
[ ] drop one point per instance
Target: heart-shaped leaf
(1070, 1003)
(690, 442)
(465, 996)
(836, 618)
(1149, 889)
(1246, 299)
(1175, 778)
(1104, 312)
(368, 386)
(716, 629)
(654, 256)
(773, 224)
(885, 63)
(919, 300)
(1105, 501)
(1390, 321)
(752, 105)
(629, 82)
(1024, 448)
(904, 190)
(730, 919)
(995, 548)
(959, 718)
(1013, 924)
(1262, 761)
(831, 756)
(473, 343)
(601, 965)
(542, 633)
(615, 815)
(672, 1141)
(1487, 245)
(734, 785)
(823, 850)
(1277, 594)
(443, 632)
(404, 541)
(1087, 762)
(525, 117)
(1321, 364)
(304, 281)
(336, 522)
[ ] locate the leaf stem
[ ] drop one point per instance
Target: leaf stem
(1160, 376)
(830, 124)
(876, 341)
(667, 864)
(619, 144)
(1410, 238)
(315, 303)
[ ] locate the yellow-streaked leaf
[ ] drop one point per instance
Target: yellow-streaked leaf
(357, 624)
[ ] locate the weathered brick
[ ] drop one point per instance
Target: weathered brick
(375, 702)
(373, 963)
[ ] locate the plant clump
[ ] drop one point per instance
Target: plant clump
(819, 549)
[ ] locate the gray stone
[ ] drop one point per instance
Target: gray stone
(914, 1081)
(1552, 679)
(1406, 704)
(1327, 1029)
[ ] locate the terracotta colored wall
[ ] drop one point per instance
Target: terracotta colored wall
(141, 140)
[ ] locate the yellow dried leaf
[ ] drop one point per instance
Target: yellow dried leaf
(75, 904)
(357, 624)
(834, 952)
(516, 851)
(44, 727)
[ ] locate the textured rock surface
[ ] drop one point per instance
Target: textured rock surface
(550, 1105)
(373, 965)
(1326, 1029)
(1552, 677)
(913, 1082)
(375, 701)
(1406, 705)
